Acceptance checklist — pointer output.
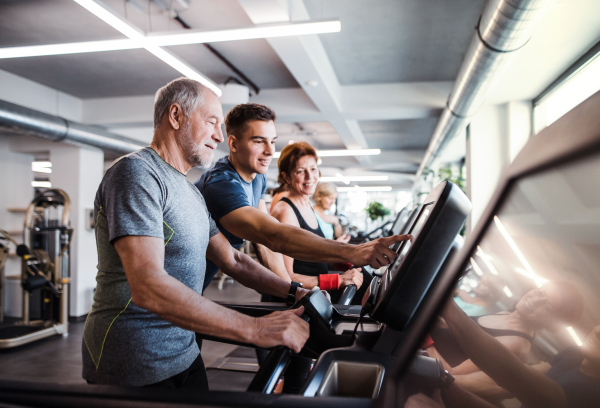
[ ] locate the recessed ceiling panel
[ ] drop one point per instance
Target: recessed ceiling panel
(397, 40)
(96, 75)
(406, 134)
(320, 135)
(36, 22)
(254, 58)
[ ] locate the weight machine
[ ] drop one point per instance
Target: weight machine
(45, 273)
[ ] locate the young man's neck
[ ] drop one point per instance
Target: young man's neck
(248, 176)
(169, 150)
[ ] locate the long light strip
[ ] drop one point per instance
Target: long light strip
(41, 184)
(138, 40)
(528, 271)
(340, 153)
(133, 33)
(538, 280)
(476, 267)
(357, 188)
(507, 292)
(574, 336)
(487, 260)
(348, 179)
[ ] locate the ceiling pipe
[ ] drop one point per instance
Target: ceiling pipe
(27, 121)
(504, 27)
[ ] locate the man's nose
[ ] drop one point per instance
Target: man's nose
(218, 135)
(270, 149)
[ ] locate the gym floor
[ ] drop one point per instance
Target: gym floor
(58, 360)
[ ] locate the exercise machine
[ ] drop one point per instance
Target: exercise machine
(354, 345)
(45, 274)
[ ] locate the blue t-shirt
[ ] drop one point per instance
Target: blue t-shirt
(224, 191)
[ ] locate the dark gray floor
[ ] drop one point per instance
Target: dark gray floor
(58, 360)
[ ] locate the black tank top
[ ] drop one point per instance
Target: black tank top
(304, 267)
(445, 342)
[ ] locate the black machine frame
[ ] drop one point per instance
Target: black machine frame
(574, 136)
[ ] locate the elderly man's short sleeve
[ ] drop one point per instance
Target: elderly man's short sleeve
(133, 200)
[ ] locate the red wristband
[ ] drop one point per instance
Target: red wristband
(329, 281)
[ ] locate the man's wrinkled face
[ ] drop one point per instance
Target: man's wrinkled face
(200, 133)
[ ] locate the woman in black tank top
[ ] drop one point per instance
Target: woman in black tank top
(550, 307)
(299, 172)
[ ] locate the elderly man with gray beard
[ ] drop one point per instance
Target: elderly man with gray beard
(154, 235)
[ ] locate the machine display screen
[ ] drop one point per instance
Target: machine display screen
(414, 230)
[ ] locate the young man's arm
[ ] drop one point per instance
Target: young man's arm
(528, 384)
(153, 289)
(254, 225)
(269, 259)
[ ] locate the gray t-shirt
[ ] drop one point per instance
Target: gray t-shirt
(124, 344)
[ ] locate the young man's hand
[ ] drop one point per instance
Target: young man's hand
(351, 277)
(376, 253)
(281, 329)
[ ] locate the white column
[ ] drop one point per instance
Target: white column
(16, 193)
(79, 171)
(496, 135)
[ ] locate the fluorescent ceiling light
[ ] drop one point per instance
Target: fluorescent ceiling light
(247, 33)
(339, 153)
(43, 184)
(575, 336)
(476, 267)
(357, 188)
(487, 260)
(41, 166)
(507, 291)
(111, 19)
(528, 271)
(538, 280)
(139, 40)
(348, 179)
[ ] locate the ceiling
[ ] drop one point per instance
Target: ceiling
(380, 83)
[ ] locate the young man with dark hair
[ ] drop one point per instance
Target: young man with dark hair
(234, 193)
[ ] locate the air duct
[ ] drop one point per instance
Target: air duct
(27, 121)
(504, 27)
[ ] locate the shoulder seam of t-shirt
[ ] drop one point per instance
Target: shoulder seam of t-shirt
(135, 156)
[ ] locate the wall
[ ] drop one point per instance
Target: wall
(495, 136)
(15, 193)
(79, 171)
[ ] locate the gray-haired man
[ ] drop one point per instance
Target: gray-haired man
(153, 236)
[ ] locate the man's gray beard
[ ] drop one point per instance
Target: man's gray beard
(193, 152)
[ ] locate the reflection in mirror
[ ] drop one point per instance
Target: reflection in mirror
(523, 326)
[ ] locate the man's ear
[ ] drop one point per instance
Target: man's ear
(232, 143)
(175, 116)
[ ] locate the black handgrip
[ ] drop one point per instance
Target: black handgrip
(23, 250)
(274, 365)
(347, 295)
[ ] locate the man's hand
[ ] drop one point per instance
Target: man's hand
(377, 253)
(423, 401)
(351, 277)
(281, 329)
(300, 293)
